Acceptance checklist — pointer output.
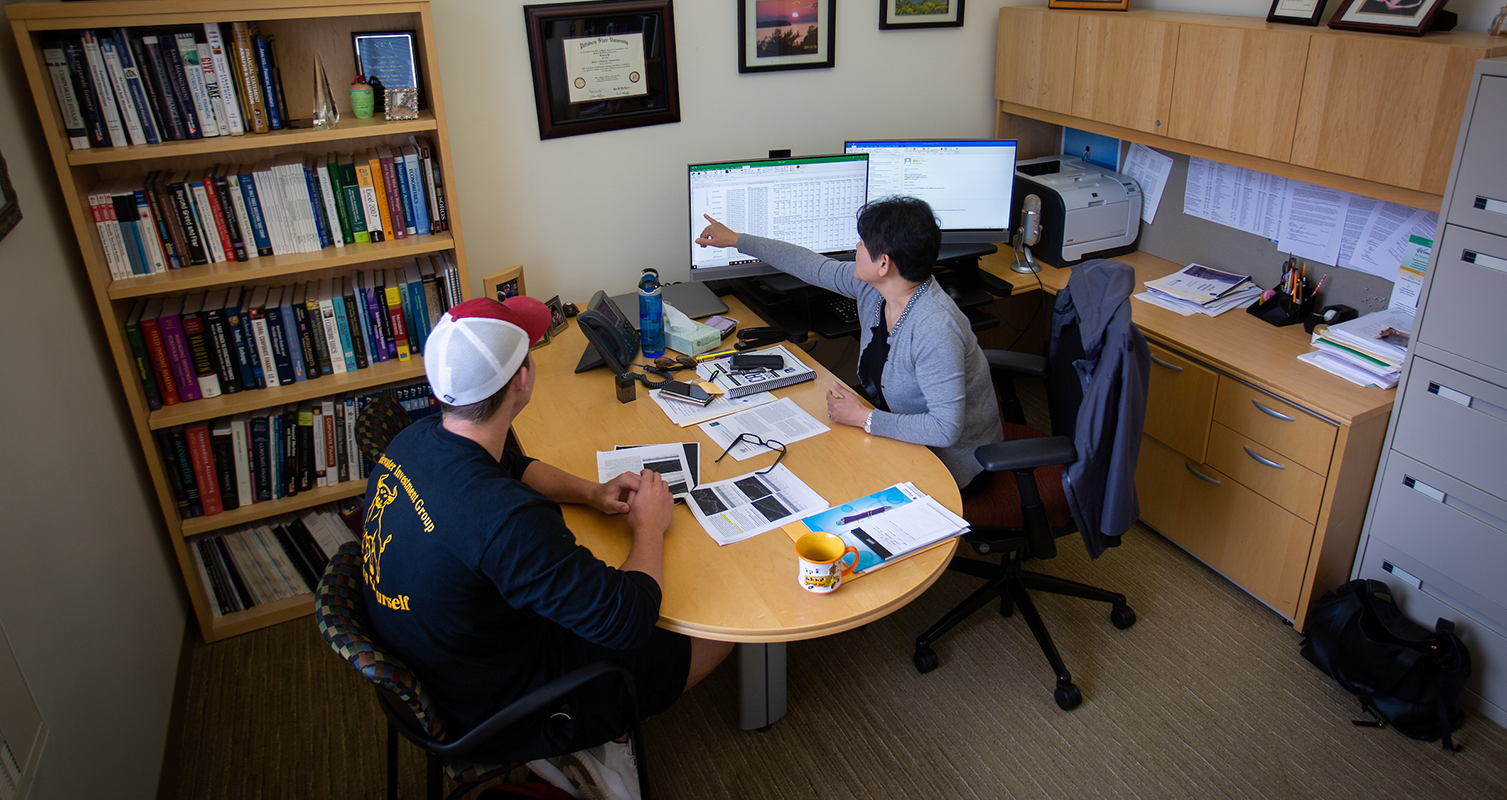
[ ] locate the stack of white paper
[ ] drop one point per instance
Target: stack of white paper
(738, 508)
(1356, 351)
(1196, 289)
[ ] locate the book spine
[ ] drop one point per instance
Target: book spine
(185, 464)
(146, 227)
(214, 579)
(143, 362)
(131, 75)
(306, 573)
(240, 440)
(370, 208)
(290, 331)
(331, 445)
(354, 206)
(212, 89)
(278, 341)
(384, 203)
(416, 192)
(242, 218)
(223, 452)
(353, 451)
(123, 99)
(157, 355)
(244, 53)
(395, 314)
(202, 355)
(176, 345)
(178, 74)
(356, 326)
(237, 581)
(261, 458)
(83, 83)
(404, 210)
(305, 442)
(164, 441)
(104, 91)
(263, 335)
(171, 242)
(103, 210)
(193, 74)
(317, 210)
(255, 213)
(269, 91)
(150, 61)
(331, 330)
(204, 468)
(125, 219)
(347, 341)
(235, 328)
(208, 206)
(193, 237)
(384, 320)
(150, 88)
(329, 201)
(218, 333)
(228, 86)
(220, 198)
(68, 104)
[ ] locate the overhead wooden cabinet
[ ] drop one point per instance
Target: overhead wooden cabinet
(1038, 51)
(1238, 88)
(1124, 71)
(1383, 109)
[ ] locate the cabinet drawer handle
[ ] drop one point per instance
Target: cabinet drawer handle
(1483, 260)
(1202, 476)
(1164, 364)
(1262, 460)
(1272, 412)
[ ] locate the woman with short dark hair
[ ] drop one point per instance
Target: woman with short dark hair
(920, 363)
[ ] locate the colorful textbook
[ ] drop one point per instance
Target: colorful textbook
(885, 526)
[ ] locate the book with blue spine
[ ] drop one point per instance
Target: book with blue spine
(277, 338)
(342, 324)
(416, 188)
(267, 81)
(133, 75)
(254, 210)
(290, 332)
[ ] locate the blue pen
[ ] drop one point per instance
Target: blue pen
(856, 517)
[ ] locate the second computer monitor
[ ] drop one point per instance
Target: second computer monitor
(967, 182)
(811, 201)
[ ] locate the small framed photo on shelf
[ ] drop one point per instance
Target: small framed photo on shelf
(557, 321)
(389, 55)
(786, 34)
(1405, 17)
(1297, 12)
(1096, 5)
(906, 14)
(602, 65)
(503, 284)
(402, 104)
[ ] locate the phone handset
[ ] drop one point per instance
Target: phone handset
(608, 341)
(1029, 234)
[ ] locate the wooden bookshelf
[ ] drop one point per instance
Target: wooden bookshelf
(302, 27)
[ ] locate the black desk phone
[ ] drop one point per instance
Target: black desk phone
(611, 337)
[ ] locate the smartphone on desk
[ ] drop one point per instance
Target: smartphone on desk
(685, 393)
(751, 362)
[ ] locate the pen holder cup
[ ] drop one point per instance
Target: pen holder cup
(1282, 311)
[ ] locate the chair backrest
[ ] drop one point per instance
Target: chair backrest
(377, 423)
(1064, 390)
(340, 609)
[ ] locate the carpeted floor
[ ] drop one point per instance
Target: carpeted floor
(1206, 696)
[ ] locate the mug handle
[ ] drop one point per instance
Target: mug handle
(846, 570)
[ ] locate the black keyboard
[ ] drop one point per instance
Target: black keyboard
(846, 308)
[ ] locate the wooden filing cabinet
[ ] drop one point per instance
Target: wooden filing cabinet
(1436, 532)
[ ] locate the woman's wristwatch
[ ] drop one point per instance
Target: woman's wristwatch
(868, 421)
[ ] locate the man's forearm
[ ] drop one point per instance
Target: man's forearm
(557, 484)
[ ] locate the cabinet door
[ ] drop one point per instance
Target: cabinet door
(1124, 73)
(1237, 89)
(1180, 403)
(1480, 199)
(1035, 60)
(1383, 109)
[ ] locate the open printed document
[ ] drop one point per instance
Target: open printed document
(886, 525)
(687, 414)
(669, 460)
(783, 421)
(746, 506)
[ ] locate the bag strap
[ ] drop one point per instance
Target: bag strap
(1375, 720)
(1445, 629)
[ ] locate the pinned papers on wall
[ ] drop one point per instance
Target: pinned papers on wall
(1313, 222)
(1149, 169)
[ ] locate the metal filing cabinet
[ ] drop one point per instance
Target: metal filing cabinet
(1436, 529)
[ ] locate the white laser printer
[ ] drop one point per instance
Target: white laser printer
(1086, 210)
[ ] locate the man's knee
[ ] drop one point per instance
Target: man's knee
(706, 654)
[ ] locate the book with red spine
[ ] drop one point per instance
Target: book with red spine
(157, 352)
(217, 214)
(394, 192)
(331, 451)
(200, 453)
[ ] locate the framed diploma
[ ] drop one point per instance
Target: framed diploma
(602, 65)
(1296, 12)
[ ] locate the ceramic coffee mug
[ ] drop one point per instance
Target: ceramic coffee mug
(821, 560)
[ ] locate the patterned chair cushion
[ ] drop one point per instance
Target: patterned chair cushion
(377, 423)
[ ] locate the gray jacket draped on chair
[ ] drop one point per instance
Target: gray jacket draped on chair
(1100, 485)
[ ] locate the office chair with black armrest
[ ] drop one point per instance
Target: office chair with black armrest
(1020, 515)
(340, 609)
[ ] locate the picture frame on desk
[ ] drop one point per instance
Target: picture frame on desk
(1095, 5)
(778, 35)
(1402, 17)
(389, 55)
(912, 14)
(1297, 12)
(503, 284)
(602, 65)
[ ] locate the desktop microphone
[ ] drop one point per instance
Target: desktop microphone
(1029, 234)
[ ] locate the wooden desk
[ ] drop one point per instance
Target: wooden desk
(745, 592)
(1285, 535)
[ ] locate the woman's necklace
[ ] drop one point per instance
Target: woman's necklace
(905, 311)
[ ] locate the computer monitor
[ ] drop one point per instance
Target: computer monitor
(967, 182)
(811, 201)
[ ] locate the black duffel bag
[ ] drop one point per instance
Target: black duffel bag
(1405, 675)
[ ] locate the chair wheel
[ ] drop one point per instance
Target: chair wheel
(1067, 696)
(1122, 616)
(925, 659)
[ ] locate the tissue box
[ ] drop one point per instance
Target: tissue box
(700, 339)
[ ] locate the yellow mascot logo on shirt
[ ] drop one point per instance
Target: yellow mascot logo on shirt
(373, 543)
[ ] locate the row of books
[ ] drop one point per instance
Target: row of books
(271, 559)
(269, 454)
(231, 339)
(118, 88)
(170, 219)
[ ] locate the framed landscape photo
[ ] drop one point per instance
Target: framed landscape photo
(1296, 12)
(786, 34)
(1099, 5)
(602, 65)
(904, 14)
(1407, 17)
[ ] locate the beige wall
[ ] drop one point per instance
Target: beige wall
(588, 212)
(93, 607)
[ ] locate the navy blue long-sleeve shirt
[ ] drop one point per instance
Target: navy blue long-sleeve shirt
(473, 580)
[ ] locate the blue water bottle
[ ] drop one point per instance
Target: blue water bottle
(651, 315)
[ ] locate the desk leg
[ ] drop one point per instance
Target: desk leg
(761, 684)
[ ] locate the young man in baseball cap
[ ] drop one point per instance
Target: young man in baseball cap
(473, 580)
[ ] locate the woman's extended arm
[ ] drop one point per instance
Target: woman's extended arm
(811, 267)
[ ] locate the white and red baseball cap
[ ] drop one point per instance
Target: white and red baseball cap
(478, 345)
